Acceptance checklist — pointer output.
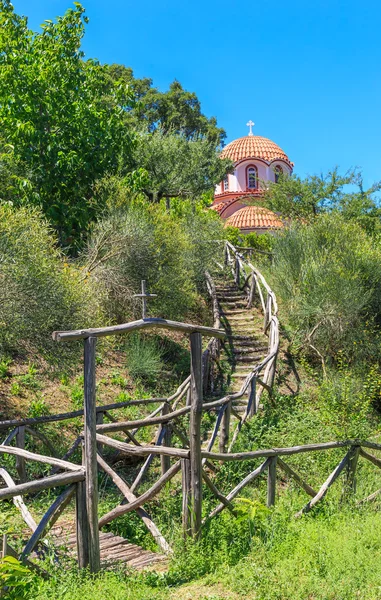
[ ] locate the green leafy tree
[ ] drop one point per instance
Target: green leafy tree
(61, 115)
(178, 167)
(174, 111)
(294, 197)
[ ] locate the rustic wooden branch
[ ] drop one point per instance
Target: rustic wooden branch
(370, 498)
(225, 427)
(186, 485)
(248, 479)
(18, 501)
(279, 451)
(142, 450)
(76, 413)
(148, 495)
(42, 484)
(271, 481)
(64, 336)
(373, 459)
(148, 461)
(48, 460)
(48, 520)
(287, 469)
(166, 440)
(195, 432)
(20, 460)
(10, 437)
(40, 436)
(130, 497)
(215, 491)
(90, 451)
(326, 485)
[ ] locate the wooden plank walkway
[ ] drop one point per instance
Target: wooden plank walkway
(114, 549)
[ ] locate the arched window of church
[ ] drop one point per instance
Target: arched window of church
(226, 183)
(252, 178)
(278, 173)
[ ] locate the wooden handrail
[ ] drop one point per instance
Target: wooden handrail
(151, 323)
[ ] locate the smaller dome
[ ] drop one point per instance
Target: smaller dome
(254, 217)
(254, 146)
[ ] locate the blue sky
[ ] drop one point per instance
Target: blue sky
(307, 72)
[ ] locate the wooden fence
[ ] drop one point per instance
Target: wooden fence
(177, 422)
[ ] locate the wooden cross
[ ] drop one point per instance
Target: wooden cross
(144, 295)
(250, 124)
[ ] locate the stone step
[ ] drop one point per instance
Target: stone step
(250, 358)
(249, 350)
(233, 303)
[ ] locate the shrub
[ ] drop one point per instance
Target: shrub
(39, 291)
(138, 242)
(328, 277)
(143, 357)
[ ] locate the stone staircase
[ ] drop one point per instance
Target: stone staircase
(246, 344)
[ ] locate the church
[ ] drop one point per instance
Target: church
(257, 161)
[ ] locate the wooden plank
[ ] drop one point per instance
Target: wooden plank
(287, 469)
(41, 484)
(151, 323)
(326, 485)
(47, 460)
(90, 451)
(130, 497)
(148, 495)
(195, 432)
(271, 481)
(20, 460)
(48, 520)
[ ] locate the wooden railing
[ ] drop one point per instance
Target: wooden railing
(177, 426)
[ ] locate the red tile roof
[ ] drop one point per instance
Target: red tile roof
(254, 217)
(254, 146)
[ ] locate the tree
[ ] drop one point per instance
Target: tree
(294, 197)
(178, 167)
(175, 111)
(61, 114)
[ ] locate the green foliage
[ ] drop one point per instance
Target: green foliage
(328, 277)
(177, 166)
(17, 579)
(38, 407)
(141, 241)
(143, 357)
(61, 115)
(39, 290)
(176, 111)
(259, 241)
(4, 367)
(298, 198)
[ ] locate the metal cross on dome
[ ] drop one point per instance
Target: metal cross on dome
(144, 295)
(250, 124)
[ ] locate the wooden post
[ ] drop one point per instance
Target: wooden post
(271, 481)
(195, 432)
(252, 402)
(237, 272)
(82, 526)
(99, 420)
(205, 371)
(20, 461)
(226, 255)
(186, 485)
(144, 300)
(165, 460)
(90, 455)
(350, 482)
(225, 427)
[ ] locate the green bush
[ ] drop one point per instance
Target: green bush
(328, 278)
(138, 242)
(39, 290)
(143, 357)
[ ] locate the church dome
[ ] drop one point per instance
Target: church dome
(254, 217)
(254, 146)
